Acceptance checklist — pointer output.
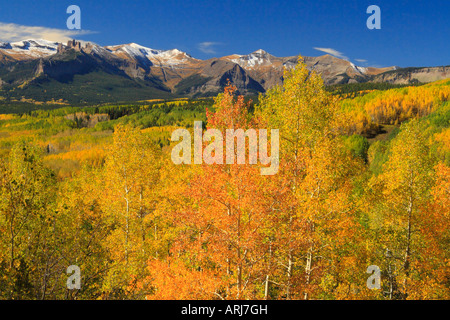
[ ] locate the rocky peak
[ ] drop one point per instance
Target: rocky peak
(71, 44)
(260, 53)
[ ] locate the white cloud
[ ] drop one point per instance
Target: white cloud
(338, 54)
(208, 47)
(11, 32)
(333, 52)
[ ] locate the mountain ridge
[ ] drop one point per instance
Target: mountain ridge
(29, 65)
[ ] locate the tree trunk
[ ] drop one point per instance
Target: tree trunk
(406, 262)
(127, 225)
(308, 269)
(290, 263)
(266, 286)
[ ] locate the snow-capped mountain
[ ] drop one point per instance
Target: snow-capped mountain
(255, 59)
(171, 72)
(31, 48)
(150, 56)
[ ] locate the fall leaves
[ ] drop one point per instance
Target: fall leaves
(394, 106)
(141, 227)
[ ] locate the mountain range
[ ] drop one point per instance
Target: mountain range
(78, 72)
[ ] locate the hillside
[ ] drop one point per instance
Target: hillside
(43, 71)
(99, 182)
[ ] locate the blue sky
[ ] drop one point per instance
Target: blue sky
(413, 32)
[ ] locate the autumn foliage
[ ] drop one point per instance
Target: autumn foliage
(141, 227)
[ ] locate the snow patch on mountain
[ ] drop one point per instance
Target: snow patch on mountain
(99, 50)
(360, 70)
(253, 60)
(171, 57)
(31, 47)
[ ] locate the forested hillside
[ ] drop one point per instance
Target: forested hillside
(364, 179)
